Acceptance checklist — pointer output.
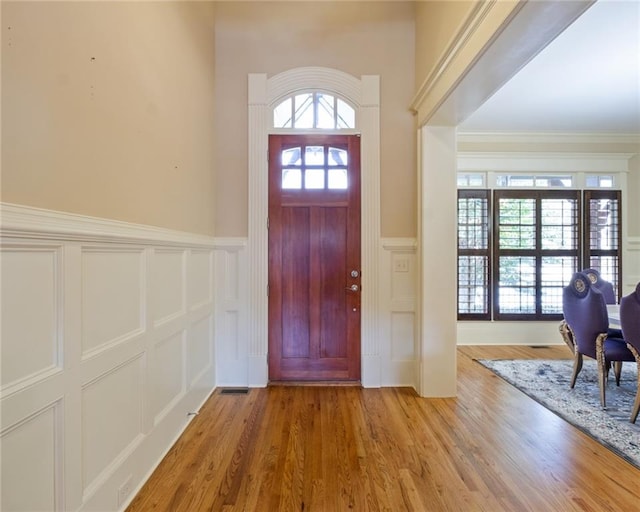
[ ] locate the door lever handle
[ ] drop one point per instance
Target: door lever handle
(352, 288)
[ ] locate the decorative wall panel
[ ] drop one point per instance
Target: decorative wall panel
(112, 296)
(167, 285)
(167, 372)
(200, 276)
(199, 348)
(30, 312)
(111, 417)
(31, 459)
(402, 337)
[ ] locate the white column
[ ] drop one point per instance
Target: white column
(438, 235)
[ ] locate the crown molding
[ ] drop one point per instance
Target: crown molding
(469, 27)
(21, 221)
(549, 138)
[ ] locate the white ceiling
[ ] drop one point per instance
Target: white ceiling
(586, 80)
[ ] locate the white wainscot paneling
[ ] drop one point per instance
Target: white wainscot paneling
(231, 308)
(509, 333)
(167, 374)
(31, 312)
(31, 462)
(200, 278)
(398, 285)
(631, 266)
(403, 280)
(111, 420)
(402, 337)
(167, 285)
(199, 348)
(113, 299)
(231, 370)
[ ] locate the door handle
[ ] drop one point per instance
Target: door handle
(353, 288)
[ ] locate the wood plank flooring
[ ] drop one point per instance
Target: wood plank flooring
(342, 448)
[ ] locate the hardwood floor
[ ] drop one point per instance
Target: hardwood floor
(345, 448)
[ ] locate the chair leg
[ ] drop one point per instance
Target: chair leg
(617, 370)
(636, 404)
(603, 368)
(577, 366)
(567, 335)
(602, 383)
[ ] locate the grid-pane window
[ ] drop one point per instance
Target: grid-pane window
(473, 254)
(314, 110)
(534, 181)
(516, 285)
(535, 252)
(602, 234)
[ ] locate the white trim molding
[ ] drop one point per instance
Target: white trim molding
(20, 221)
(547, 138)
(264, 94)
(543, 162)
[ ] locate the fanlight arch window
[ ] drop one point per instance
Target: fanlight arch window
(314, 110)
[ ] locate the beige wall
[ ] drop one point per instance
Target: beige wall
(437, 24)
(360, 38)
(107, 110)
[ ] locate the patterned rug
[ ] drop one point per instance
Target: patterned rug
(547, 382)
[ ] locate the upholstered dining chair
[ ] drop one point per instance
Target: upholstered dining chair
(585, 312)
(630, 320)
(605, 287)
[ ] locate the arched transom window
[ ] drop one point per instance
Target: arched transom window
(314, 110)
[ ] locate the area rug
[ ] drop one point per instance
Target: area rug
(547, 382)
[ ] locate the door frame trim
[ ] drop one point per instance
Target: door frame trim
(364, 95)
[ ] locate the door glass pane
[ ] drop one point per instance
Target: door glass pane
(291, 178)
(338, 157)
(314, 155)
(282, 114)
(326, 113)
(346, 115)
(337, 179)
(314, 178)
(291, 157)
(303, 111)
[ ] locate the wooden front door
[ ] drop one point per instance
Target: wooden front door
(314, 257)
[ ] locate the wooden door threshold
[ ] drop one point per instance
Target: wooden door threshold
(327, 383)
